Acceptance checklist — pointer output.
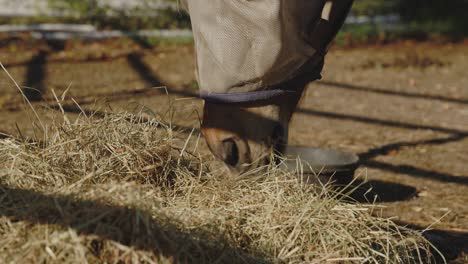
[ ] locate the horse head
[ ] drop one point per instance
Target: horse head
(254, 59)
(245, 135)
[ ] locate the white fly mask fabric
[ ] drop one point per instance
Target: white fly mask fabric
(247, 48)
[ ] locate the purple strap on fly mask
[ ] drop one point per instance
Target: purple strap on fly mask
(254, 97)
(247, 97)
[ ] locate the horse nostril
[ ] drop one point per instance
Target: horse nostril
(231, 151)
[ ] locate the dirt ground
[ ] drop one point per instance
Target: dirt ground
(402, 107)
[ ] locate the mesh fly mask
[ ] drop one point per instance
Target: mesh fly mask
(247, 51)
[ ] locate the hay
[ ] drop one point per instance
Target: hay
(119, 188)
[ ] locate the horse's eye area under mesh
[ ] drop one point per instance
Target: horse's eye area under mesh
(231, 152)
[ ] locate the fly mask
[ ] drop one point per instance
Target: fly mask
(256, 53)
(246, 50)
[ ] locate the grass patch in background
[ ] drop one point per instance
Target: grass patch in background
(421, 19)
(122, 188)
(434, 20)
(435, 31)
(166, 19)
(141, 17)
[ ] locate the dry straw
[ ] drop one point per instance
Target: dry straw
(120, 188)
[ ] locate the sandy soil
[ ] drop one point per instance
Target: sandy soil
(402, 107)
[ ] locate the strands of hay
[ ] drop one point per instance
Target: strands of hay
(116, 189)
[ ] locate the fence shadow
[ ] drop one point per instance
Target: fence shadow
(35, 77)
(366, 160)
(386, 149)
(375, 121)
(36, 72)
(135, 60)
(417, 172)
(393, 93)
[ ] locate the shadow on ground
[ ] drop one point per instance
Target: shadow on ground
(451, 244)
(346, 86)
(367, 159)
(117, 223)
(35, 76)
(380, 191)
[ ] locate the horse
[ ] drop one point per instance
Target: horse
(254, 60)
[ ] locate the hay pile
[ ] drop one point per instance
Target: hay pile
(116, 188)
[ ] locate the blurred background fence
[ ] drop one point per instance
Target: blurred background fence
(370, 21)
